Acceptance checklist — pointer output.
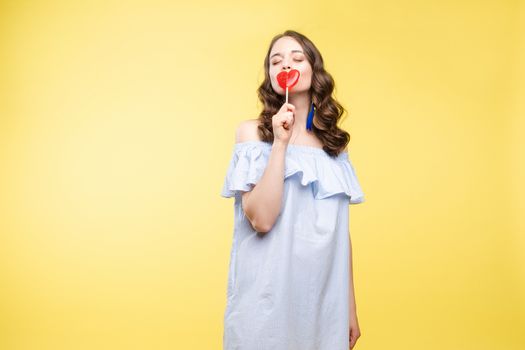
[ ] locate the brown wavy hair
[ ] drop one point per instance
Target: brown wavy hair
(328, 111)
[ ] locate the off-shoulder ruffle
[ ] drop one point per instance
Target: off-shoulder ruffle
(328, 176)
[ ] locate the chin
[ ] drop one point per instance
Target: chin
(295, 92)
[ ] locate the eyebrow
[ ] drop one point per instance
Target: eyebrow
(278, 54)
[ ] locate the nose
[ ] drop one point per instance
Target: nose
(286, 64)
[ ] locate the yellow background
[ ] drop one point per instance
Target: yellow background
(117, 124)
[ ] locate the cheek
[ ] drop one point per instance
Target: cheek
(273, 74)
(306, 73)
(306, 78)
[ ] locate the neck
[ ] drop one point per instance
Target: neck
(302, 102)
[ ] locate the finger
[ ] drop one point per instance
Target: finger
(284, 107)
(353, 339)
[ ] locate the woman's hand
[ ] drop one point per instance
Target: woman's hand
(282, 123)
(355, 333)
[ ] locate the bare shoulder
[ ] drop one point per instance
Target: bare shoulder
(247, 131)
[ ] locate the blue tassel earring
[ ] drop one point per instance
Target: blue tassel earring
(310, 118)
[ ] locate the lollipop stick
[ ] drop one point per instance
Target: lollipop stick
(287, 94)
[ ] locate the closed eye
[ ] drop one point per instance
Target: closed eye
(297, 60)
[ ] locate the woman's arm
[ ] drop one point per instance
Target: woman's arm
(354, 332)
(352, 304)
(262, 204)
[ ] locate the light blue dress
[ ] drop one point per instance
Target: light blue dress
(288, 288)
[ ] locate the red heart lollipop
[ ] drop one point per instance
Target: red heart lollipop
(287, 79)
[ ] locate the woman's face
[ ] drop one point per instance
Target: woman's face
(287, 54)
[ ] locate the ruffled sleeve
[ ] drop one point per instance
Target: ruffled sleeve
(312, 167)
(354, 187)
(246, 167)
(326, 176)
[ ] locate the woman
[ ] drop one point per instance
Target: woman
(290, 284)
